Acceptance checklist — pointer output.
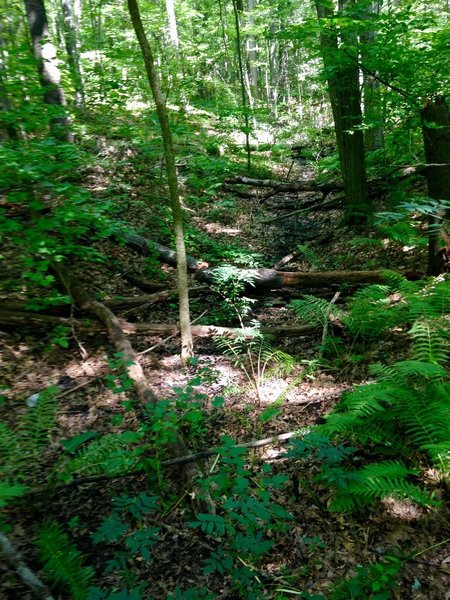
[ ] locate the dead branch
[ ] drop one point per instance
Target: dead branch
(162, 253)
(187, 458)
(26, 575)
(322, 206)
(131, 364)
(37, 319)
(286, 260)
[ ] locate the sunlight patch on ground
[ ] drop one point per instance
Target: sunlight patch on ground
(403, 509)
(219, 228)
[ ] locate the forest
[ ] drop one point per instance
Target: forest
(225, 299)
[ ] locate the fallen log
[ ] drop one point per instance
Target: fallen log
(112, 303)
(134, 371)
(267, 279)
(36, 319)
(162, 253)
(287, 186)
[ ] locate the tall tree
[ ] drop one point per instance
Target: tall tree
(177, 212)
(343, 88)
(49, 75)
(372, 97)
(436, 134)
(71, 42)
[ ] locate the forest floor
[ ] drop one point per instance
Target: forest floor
(320, 547)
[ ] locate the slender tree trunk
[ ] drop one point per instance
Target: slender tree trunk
(237, 6)
(71, 42)
(373, 115)
(49, 75)
(177, 213)
(436, 135)
(343, 89)
(172, 21)
(5, 106)
(252, 53)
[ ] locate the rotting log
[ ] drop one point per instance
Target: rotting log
(23, 318)
(287, 186)
(132, 367)
(162, 253)
(112, 303)
(267, 279)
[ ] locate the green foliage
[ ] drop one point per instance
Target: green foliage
(315, 311)
(10, 491)
(310, 256)
(405, 412)
(125, 528)
(375, 582)
(247, 521)
(112, 454)
(21, 450)
(230, 283)
(63, 562)
(255, 357)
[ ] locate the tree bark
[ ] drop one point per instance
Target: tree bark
(28, 319)
(177, 213)
(49, 75)
(436, 135)
(71, 41)
(343, 89)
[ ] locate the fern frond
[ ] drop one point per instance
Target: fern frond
(35, 429)
(429, 344)
(440, 454)
(315, 311)
(9, 491)
(63, 562)
(399, 372)
(112, 454)
(310, 256)
(378, 481)
(8, 449)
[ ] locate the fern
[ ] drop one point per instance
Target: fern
(112, 454)
(310, 256)
(315, 311)
(9, 491)
(430, 342)
(62, 560)
(406, 411)
(33, 435)
(358, 488)
(8, 449)
(255, 357)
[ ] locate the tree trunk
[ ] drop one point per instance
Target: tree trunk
(236, 8)
(177, 213)
(71, 42)
(172, 22)
(436, 136)
(343, 89)
(49, 75)
(373, 117)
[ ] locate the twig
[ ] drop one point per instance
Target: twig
(27, 576)
(298, 211)
(174, 335)
(89, 479)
